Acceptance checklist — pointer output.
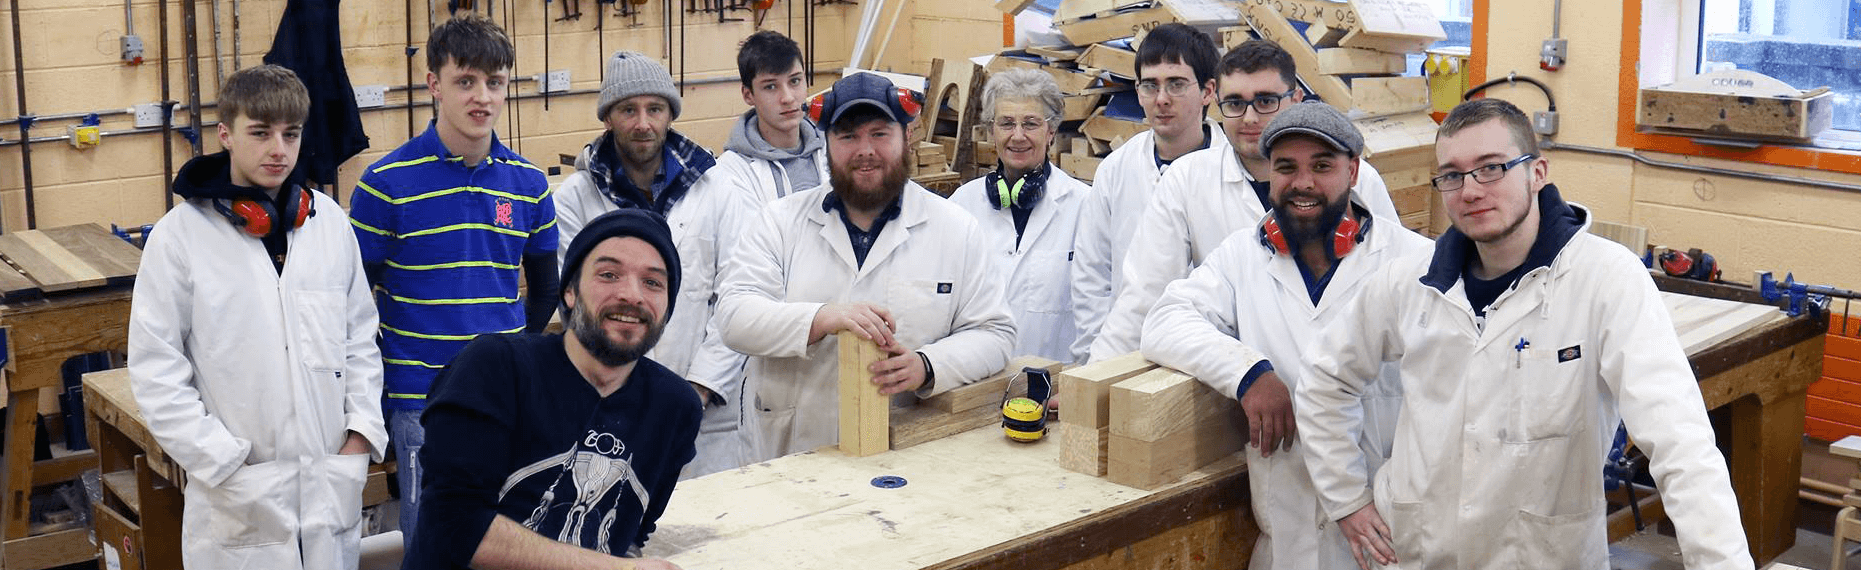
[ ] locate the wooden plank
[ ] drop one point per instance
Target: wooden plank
(49, 550)
(1322, 37)
(1080, 167)
(1849, 447)
(918, 424)
(13, 285)
(123, 484)
(1702, 321)
(1411, 199)
(987, 391)
(1400, 19)
(1410, 135)
(1085, 391)
(1354, 61)
(1072, 10)
(1155, 404)
(1070, 81)
(103, 251)
(1122, 24)
(1273, 27)
(1105, 128)
(1055, 53)
(1635, 238)
(16, 480)
(1121, 62)
(1390, 95)
(864, 414)
(1013, 6)
(1151, 464)
(1082, 449)
(45, 262)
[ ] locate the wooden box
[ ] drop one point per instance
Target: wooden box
(1737, 104)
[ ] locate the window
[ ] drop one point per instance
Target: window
(1805, 43)
(1456, 19)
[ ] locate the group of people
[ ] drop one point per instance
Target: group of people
(1258, 252)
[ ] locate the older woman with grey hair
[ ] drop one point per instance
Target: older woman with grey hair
(1028, 209)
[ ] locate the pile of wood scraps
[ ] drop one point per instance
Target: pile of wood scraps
(1352, 55)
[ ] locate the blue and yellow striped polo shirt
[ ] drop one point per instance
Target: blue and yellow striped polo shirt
(452, 237)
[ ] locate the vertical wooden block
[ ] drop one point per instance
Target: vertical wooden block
(1083, 389)
(865, 415)
(1165, 424)
(1082, 449)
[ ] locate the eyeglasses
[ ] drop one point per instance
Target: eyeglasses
(1031, 124)
(1236, 107)
(1177, 87)
(1488, 174)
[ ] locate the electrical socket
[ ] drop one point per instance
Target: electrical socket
(1552, 55)
(555, 81)
(1544, 123)
(371, 96)
(132, 49)
(148, 115)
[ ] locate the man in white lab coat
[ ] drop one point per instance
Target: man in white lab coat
(252, 346)
(1239, 321)
(871, 253)
(1175, 84)
(1028, 210)
(641, 162)
(1212, 193)
(1519, 341)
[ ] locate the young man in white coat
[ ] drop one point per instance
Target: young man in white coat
(275, 413)
(1520, 341)
(641, 162)
(1175, 84)
(1212, 193)
(871, 253)
(1028, 210)
(1239, 321)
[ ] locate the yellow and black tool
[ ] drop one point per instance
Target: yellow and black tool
(1024, 419)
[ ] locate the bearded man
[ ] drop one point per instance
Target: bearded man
(560, 451)
(872, 253)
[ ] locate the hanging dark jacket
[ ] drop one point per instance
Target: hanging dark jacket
(310, 44)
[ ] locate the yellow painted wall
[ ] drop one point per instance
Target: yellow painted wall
(1747, 224)
(70, 49)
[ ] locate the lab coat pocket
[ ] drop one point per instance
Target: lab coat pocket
(1576, 541)
(1044, 283)
(339, 481)
(1410, 533)
(253, 507)
(1551, 387)
(924, 309)
(321, 331)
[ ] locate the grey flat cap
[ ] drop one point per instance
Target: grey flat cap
(1314, 119)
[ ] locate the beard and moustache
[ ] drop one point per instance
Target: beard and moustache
(890, 187)
(1300, 231)
(585, 323)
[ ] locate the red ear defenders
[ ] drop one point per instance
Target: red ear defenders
(259, 217)
(907, 99)
(1345, 237)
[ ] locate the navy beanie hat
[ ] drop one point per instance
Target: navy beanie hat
(625, 222)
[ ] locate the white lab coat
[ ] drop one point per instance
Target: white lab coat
(704, 223)
(1039, 266)
(251, 381)
(930, 268)
(766, 180)
(1205, 195)
(1248, 303)
(1121, 189)
(1499, 447)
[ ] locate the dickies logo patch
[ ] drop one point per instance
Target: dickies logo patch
(1570, 353)
(504, 213)
(944, 288)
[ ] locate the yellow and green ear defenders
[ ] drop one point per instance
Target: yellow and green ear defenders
(1024, 419)
(1008, 195)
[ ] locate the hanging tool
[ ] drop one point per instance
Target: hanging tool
(1024, 419)
(568, 6)
(1690, 264)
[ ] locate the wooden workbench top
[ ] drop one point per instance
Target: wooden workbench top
(966, 494)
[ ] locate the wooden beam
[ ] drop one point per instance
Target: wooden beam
(1124, 24)
(1409, 137)
(1105, 128)
(1377, 96)
(987, 391)
(1121, 62)
(1165, 424)
(1160, 402)
(1353, 61)
(1081, 167)
(1085, 391)
(1082, 448)
(864, 414)
(1056, 54)
(1274, 28)
(1322, 37)
(49, 550)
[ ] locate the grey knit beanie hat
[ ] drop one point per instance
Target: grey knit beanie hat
(632, 73)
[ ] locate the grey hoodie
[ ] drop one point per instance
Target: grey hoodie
(747, 140)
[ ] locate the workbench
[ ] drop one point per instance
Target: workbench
(978, 501)
(66, 293)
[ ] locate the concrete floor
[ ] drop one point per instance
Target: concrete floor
(1653, 551)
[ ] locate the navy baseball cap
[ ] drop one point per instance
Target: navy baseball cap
(863, 89)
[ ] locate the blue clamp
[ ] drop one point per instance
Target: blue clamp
(26, 121)
(90, 120)
(191, 134)
(1802, 297)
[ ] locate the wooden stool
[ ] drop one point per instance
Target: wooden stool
(1848, 521)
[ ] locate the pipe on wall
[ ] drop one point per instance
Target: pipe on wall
(25, 151)
(1637, 157)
